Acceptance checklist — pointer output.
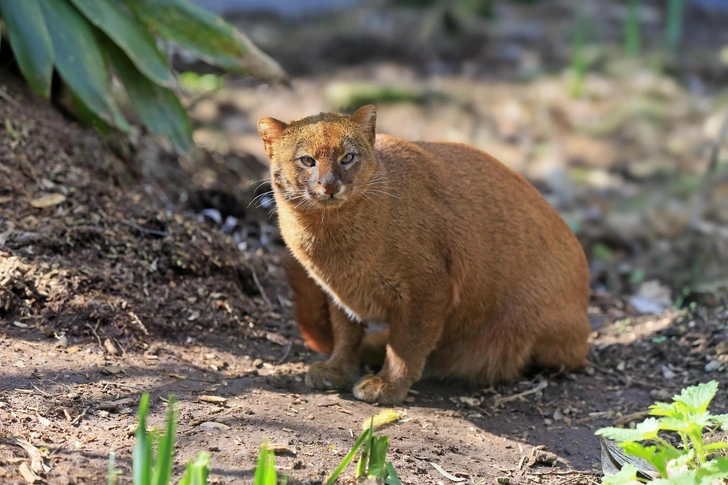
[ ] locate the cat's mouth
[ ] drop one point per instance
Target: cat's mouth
(330, 200)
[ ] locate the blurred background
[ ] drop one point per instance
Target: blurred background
(612, 108)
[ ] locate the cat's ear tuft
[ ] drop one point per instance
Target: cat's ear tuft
(366, 118)
(270, 130)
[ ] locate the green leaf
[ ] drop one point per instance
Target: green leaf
(207, 35)
(664, 409)
(142, 455)
(163, 468)
(657, 456)
(646, 430)
(31, 42)
(688, 424)
(80, 62)
(157, 107)
(721, 420)
(377, 457)
(392, 478)
(625, 476)
(697, 398)
(131, 35)
(717, 468)
(363, 464)
(349, 456)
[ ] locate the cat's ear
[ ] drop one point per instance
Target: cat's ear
(366, 119)
(270, 130)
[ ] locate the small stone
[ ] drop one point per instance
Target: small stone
(590, 371)
(713, 365)
(660, 395)
(110, 347)
(667, 373)
(258, 363)
(558, 415)
(62, 342)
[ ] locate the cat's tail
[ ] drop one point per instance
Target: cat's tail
(311, 308)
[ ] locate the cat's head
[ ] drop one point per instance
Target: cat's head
(322, 161)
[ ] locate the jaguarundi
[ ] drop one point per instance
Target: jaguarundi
(477, 277)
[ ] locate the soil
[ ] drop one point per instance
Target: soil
(112, 290)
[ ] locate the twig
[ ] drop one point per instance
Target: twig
(93, 330)
(702, 197)
(631, 417)
(145, 229)
(539, 387)
(80, 416)
(8, 98)
(260, 288)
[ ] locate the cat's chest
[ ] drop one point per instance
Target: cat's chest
(354, 290)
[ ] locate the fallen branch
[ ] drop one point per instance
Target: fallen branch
(539, 387)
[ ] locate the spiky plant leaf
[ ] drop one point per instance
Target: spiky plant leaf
(30, 41)
(157, 107)
(80, 61)
(130, 35)
(207, 35)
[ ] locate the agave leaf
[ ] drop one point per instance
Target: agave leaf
(80, 62)
(157, 107)
(31, 42)
(131, 35)
(207, 35)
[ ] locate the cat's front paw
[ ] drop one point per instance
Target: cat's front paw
(373, 388)
(323, 376)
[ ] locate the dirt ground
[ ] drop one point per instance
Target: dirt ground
(110, 287)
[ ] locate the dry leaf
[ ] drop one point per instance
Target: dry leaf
(279, 448)
(213, 399)
(48, 201)
(29, 475)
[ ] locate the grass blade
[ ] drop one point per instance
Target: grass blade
(142, 455)
(378, 457)
(157, 107)
(131, 35)
(163, 468)
(80, 62)
(632, 34)
(347, 459)
(363, 465)
(31, 42)
(392, 478)
(673, 31)
(207, 35)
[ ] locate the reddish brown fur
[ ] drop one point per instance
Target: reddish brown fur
(475, 273)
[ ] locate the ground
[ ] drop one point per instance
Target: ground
(110, 287)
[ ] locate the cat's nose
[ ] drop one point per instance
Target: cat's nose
(332, 188)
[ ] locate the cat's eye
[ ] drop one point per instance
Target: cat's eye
(307, 161)
(348, 158)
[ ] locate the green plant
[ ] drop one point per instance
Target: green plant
(265, 472)
(695, 461)
(632, 29)
(372, 461)
(673, 30)
(579, 63)
(85, 41)
(153, 453)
